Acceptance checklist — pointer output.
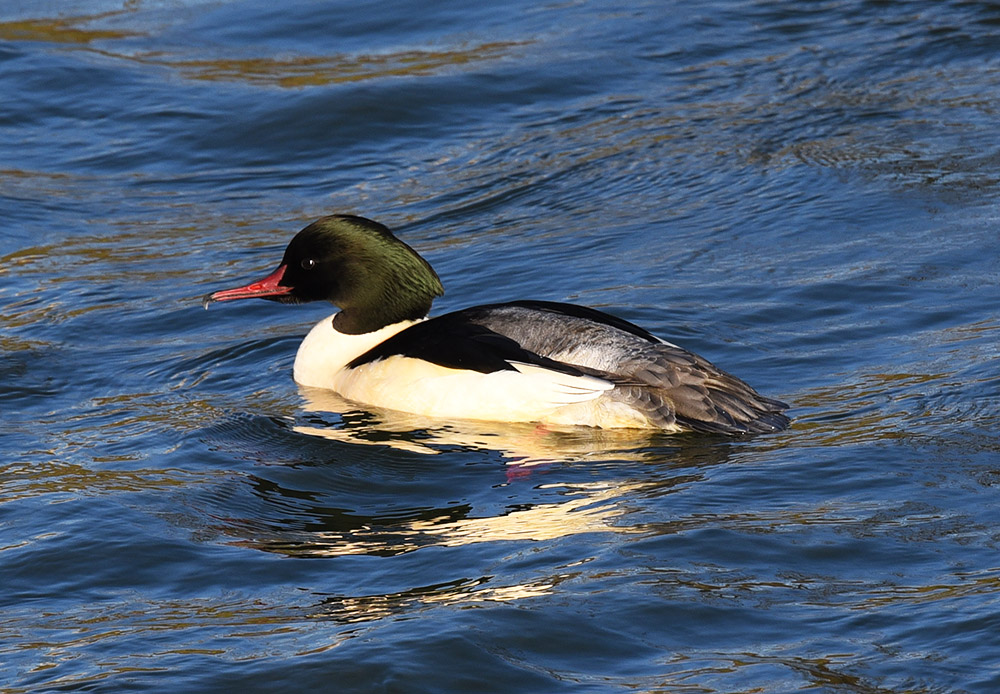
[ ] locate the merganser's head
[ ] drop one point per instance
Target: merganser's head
(354, 263)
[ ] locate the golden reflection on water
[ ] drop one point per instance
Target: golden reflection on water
(520, 444)
(567, 509)
(307, 71)
(366, 608)
(868, 407)
(56, 477)
(60, 30)
(588, 508)
(585, 508)
(288, 71)
(966, 585)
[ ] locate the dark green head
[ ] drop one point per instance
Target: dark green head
(356, 264)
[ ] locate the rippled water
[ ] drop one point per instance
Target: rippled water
(804, 193)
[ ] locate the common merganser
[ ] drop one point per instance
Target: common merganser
(522, 361)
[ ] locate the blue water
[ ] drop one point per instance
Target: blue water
(804, 193)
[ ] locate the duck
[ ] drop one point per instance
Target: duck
(544, 362)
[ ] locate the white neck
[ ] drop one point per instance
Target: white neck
(326, 350)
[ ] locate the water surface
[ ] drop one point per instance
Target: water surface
(806, 194)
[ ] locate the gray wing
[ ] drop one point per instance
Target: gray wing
(675, 385)
(670, 385)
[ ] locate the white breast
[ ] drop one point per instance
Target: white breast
(325, 351)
